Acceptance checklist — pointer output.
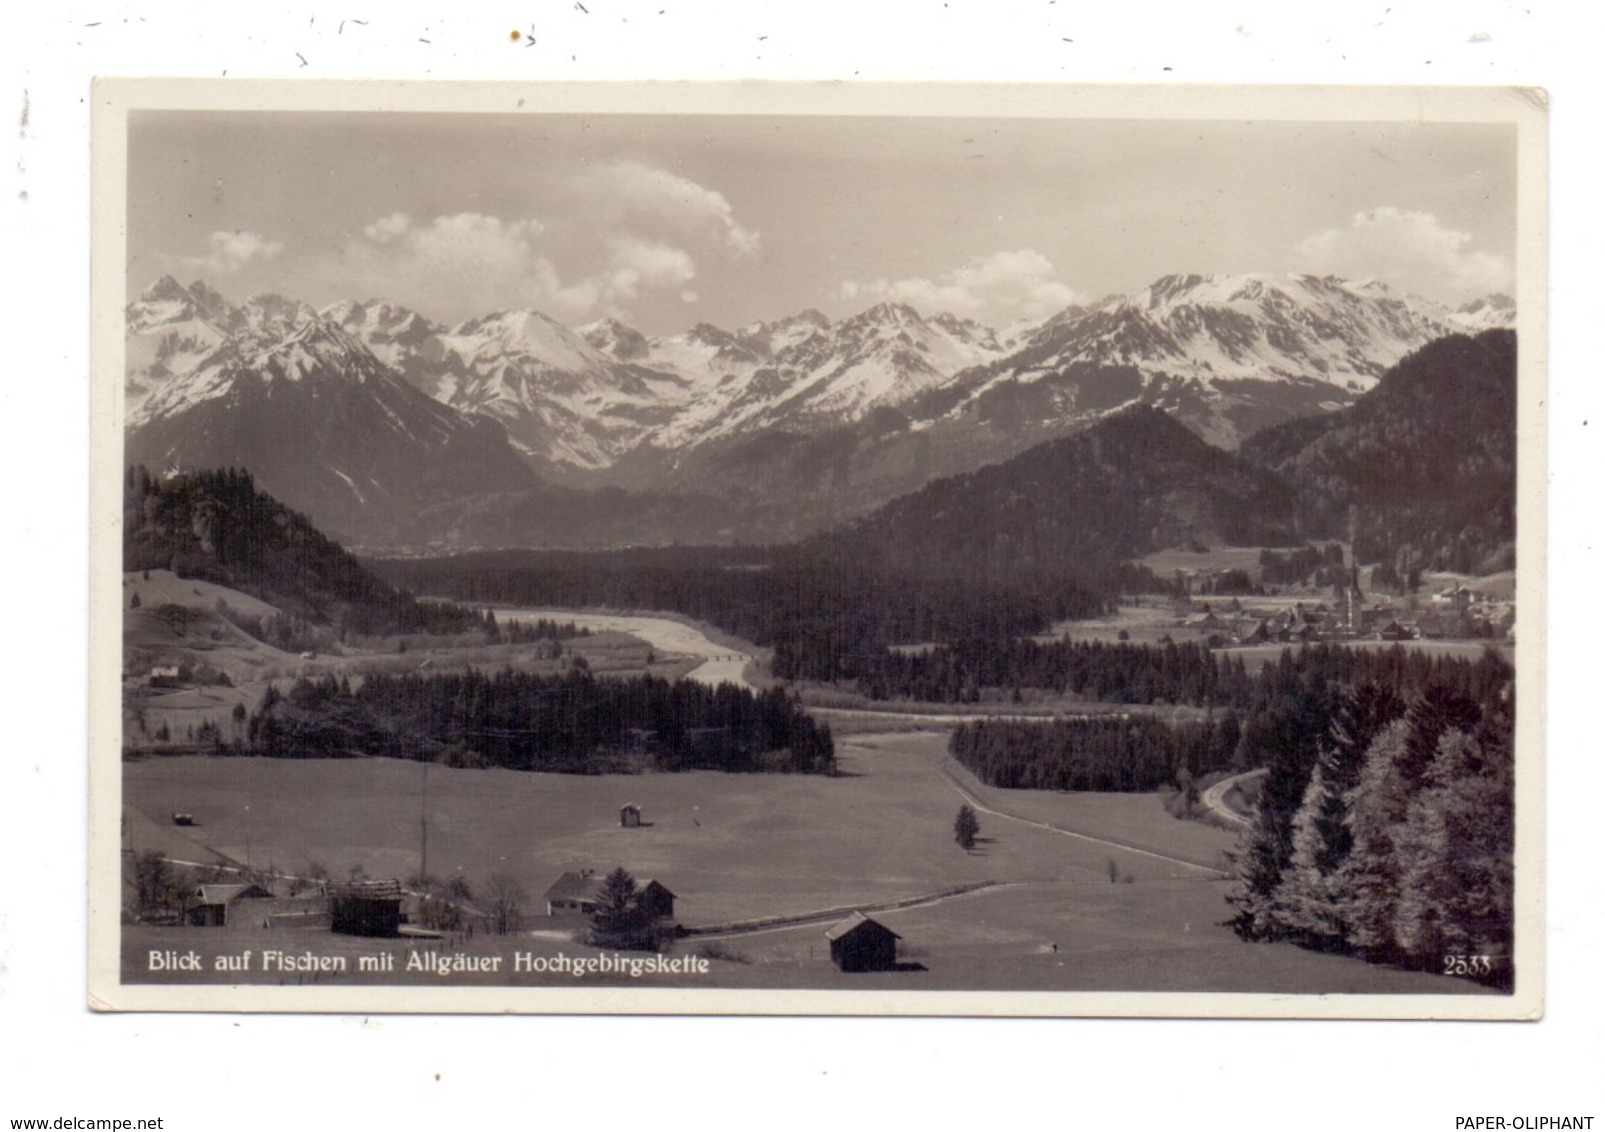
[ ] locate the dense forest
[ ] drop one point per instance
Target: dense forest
(1392, 836)
(823, 618)
(573, 723)
(1422, 468)
(1135, 482)
(218, 527)
(1185, 673)
(1279, 719)
(1107, 753)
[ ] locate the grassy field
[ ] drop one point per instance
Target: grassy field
(206, 642)
(739, 847)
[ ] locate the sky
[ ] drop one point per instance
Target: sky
(668, 220)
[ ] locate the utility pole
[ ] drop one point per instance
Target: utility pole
(423, 825)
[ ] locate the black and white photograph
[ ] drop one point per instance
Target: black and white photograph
(795, 549)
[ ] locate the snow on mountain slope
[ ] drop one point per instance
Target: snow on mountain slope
(324, 425)
(1229, 353)
(1488, 313)
(1250, 326)
(1226, 353)
(170, 329)
(837, 373)
(562, 400)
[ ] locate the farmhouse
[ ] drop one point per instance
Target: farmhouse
(573, 893)
(371, 908)
(576, 894)
(216, 904)
(859, 943)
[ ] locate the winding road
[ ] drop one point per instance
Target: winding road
(1215, 798)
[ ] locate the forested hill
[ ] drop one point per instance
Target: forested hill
(1425, 463)
(1136, 482)
(217, 526)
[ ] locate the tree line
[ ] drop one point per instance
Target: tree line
(1110, 754)
(1392, 836)
(1277, 719)
(572, 723)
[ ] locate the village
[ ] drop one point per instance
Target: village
(1456, 612)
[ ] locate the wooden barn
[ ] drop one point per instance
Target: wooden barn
(630, 816)
(216, 904)
(371, 908)
(859, 943)
(654, 899)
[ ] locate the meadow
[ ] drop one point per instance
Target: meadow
(1092, 892)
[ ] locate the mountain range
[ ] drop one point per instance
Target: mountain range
(387, 427)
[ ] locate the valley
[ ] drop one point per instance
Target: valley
(1063, 580)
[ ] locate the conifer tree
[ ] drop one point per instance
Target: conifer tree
(618, 911)
(966, 826)
(1369, 884)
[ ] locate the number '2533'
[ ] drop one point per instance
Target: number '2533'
(1468, 965)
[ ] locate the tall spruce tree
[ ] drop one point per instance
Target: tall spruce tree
(1370, 878)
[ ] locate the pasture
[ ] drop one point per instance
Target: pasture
(743, 847)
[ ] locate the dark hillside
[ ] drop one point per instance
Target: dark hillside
(1136, 482)
(217, 526)
(1424, 465)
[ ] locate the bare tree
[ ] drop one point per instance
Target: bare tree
(503, 902)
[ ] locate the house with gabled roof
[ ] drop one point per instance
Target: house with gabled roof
(577, 893)
(859, 943)
(215, 903)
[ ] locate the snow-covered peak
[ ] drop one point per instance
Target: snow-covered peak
(525, 334)
(614, 338)
(774, 337)
(165, 289)
(271, 315)
(313, 351)
(1244, 326)
(394, 333)
(1486, 313)
(167, 303)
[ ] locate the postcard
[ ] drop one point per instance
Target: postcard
(818, 549)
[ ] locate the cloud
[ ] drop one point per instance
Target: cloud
(472, 263)
(483, 262)
(635, 265)
(465, 245)
(228, 252)
(635, 194)
(1410, 251)
(1000, 287)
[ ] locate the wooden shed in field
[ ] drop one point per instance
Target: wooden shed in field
(630, 815)
(654, 899)
(216, 904)
(370, 907)
(859, 943)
